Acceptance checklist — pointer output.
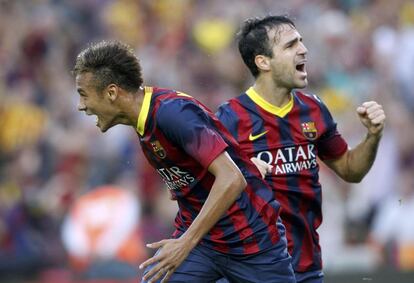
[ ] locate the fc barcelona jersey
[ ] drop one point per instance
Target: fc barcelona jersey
(180, 138)
(289, 138)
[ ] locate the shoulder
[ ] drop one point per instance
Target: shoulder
(228, 111)
(178, 107)
(311, 100)
(231, 106)
(225, 106)
(230, 103)
(308, 98)
(171, 98)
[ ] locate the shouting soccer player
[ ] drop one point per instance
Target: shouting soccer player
(227, 223)
(289, 129)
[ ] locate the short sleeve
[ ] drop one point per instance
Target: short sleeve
(331, 145)
(190, 127)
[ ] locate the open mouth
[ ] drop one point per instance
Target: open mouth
(96, 117)
(300, 67)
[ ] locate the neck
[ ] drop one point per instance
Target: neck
(132, 104)
(271, 92)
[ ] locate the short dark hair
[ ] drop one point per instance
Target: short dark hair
(253, 38)
(110, 62)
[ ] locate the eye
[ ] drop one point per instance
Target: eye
(291, 44)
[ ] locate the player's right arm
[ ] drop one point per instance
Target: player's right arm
(229, 183)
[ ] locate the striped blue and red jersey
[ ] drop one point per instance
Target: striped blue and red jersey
(290, 138)
(180, 138)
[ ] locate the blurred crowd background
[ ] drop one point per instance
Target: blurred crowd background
(79, 206)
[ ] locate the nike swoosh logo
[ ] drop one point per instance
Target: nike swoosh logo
(252, 138)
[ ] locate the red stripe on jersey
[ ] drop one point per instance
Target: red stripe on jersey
(243, 129)
(307, 196)
(240, 219)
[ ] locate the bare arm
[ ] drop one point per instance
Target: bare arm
(228, 185)
(356, 162)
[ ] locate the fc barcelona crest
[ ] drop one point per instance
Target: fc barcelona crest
(158, 149)
(309, 130)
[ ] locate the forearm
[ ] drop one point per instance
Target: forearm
(223, 194)
(173, 252)
(361, 158)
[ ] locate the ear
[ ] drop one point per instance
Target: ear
(262, 62)
(112, 92)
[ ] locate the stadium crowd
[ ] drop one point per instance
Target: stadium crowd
(50, 155)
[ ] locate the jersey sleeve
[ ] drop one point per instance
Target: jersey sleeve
(228, 118)
(331, 144)
(188, 126)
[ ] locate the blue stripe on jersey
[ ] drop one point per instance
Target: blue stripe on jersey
(225, 112)
(305, 116)
(326, 115)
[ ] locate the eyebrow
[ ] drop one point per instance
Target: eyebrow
(294, 40)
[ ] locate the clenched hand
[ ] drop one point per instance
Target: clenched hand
(372, 117)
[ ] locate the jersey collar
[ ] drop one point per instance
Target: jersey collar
(143, 114)
(278, 111)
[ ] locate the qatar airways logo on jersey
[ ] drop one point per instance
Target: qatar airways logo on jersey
(175, 178)
(290, 159)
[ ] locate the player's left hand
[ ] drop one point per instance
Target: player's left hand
(263, 167)
(172, 253)
(372, 117)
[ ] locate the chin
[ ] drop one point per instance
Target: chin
(302, 84)
(105, 128)
(102, 128)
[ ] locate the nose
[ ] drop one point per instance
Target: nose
(302, 49)
(81, 106)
